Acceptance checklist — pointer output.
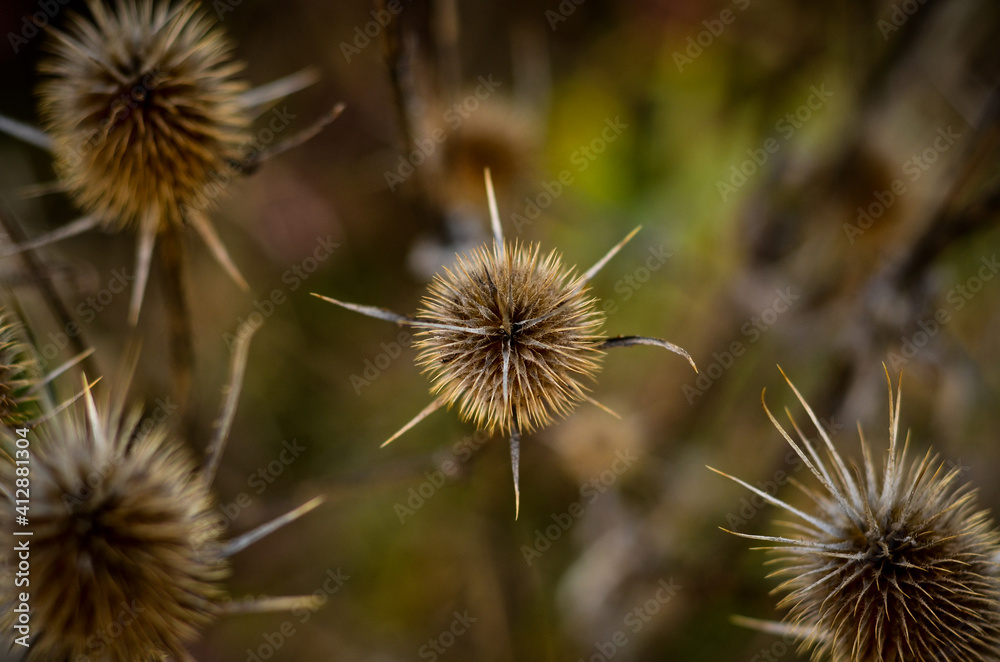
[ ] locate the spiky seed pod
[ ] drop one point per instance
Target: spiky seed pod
(147, 123)
(126, 549)
(521, 335)
(17, 369)
(509, 336)
(501, 135)
(143, 109)
(126, 558)
(888, 566)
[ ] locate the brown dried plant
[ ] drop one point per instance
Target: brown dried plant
(509, 336)
(127, 549)
(886, 566)
(147, 121)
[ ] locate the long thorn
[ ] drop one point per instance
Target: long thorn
(602, 407)
(42, 383)
(143, 263)
(208, 234)
(491, 198)
(93, 418)
(224, 423)
(280, 88)
(427, 411)
(240, 543)
(66, 404)
(25, 133)
(79, 226)
(299, 138)
(39, 190)
(396, 318)
(628, 341)
(272, 604)
(590, 273)
(515, 461)
(772, 627)
(370, 311)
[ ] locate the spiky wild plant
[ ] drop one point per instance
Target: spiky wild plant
(143, 107)
(123, 530)
(537, 341)
(147, 121)
(127, 553)
(886, 566)
(510, 337)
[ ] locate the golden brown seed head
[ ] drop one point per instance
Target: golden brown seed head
(143, 109)
(893, 565)
(918, 583)
(125, 552)
(518, 317)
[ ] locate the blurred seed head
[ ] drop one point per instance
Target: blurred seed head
(497, 134)
(126, 559)
(890, 565)
(521, 330)
(143, 108)
(127, 555)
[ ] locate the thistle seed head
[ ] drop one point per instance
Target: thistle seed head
(126, 557)
(889, 566)
(515, 337)
(510, 337)
(143, 109)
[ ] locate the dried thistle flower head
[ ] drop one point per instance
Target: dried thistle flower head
(127, 554)
(147, 121)
(143, 108)
(890, 565)
(123, 528)
(533, 345)
(145, 115)
(510, 337)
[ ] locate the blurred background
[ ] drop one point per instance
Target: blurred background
(818, 188)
